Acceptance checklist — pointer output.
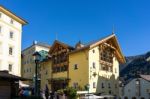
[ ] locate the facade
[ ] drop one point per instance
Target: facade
(10, 41)
(137, 88)
(46, 73)
(95, 64)
(28, 63)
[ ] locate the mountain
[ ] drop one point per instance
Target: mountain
(134, 65)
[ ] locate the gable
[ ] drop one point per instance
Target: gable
(57, 46)
(113, 42)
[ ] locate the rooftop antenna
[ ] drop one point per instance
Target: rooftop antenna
(113, 29)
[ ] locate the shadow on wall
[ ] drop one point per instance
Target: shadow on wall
(107, 85)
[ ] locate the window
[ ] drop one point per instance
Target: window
(46, 72)
(10, 50)
(12, 21)
(0, 29)
(11, 34)
(102, 85)
(107, 55)
(75, 85)
(109, 86)
(10, 67)
(110, 68)
(115, 70)
(94, 65)
(76, 66)
(0, 15)
(94, 84)
(115, 85)
(109, 91)
(103, 67)
(93, 51)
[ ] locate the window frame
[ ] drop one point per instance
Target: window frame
(11, 35)
(10, 51)
(10, 67)
(75, 66)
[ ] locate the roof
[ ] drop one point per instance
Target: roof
(61, 43)
(146, 77)
(6, 76)
(101, 40)
(12, 15)
(38, 44)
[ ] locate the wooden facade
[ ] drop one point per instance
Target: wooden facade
(106, 56)
(60, 63)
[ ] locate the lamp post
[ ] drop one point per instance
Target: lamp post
(37, 58)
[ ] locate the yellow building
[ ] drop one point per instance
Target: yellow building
(95, 64)
(45, 72)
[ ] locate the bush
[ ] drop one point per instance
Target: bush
(70, 92)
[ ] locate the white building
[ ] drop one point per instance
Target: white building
(137, 88)
(10, 41)
(28, 62)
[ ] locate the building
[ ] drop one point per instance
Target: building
(28, 62)
(95, 64)
(10, 41)
(9, 85)
(136, 88)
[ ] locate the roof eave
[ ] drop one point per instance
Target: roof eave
(12, 15)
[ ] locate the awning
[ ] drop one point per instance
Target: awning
(4, 75)
(21, 84)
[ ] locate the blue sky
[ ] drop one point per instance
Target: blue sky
(85, 20)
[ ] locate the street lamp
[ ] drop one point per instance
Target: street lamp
(137, 81)
(37, 58)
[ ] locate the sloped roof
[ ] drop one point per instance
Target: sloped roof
(12, 15)
(6, 76)
(61, 43)
(146, 77)
(101, 40)
(38, 44)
